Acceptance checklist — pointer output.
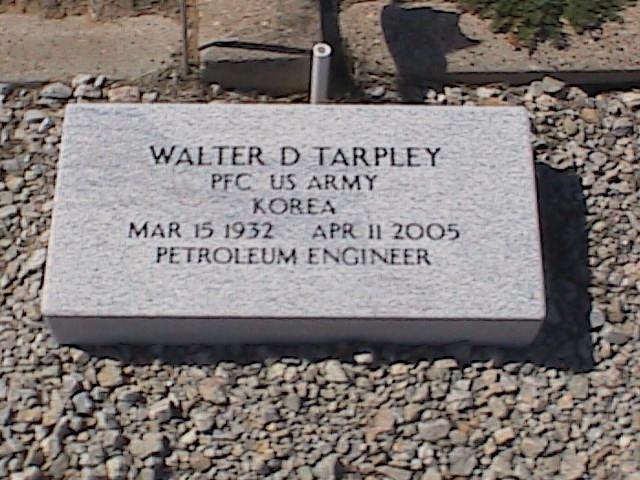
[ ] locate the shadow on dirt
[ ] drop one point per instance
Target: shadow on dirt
(419, 40)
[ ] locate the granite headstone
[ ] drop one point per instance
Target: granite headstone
(282, 223)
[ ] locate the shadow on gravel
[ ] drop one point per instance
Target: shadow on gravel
(563, 342)
(419, 40)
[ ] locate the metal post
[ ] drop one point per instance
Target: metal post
(185, 46)
(320, 69)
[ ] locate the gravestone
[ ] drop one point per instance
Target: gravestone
(305, 223)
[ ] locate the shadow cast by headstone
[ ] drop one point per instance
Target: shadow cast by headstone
(419, 40)
(563, 342)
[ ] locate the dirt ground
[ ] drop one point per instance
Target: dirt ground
(38, 49)
(381, 37)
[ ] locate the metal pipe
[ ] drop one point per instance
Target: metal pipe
(320, 69)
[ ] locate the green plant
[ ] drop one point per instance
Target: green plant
(537, 20)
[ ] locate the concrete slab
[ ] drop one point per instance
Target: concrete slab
(34, 49)
(261, 26)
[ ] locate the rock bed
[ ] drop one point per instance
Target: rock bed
(566, 407)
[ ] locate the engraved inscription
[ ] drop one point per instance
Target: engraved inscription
(248, 171)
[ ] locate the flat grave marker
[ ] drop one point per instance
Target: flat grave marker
(306, 223)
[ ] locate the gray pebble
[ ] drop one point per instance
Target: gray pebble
(573, 466)
(57, 90)
(329, 468)
(34, 116)
(393, 473)
(82, 403)
(462, 461)
(334, 372)
(552, 85)
(623, 127)
(31, 473)
(434, 430)
(597, 318)
(8, 211)
(363, 358)
(532, 447)
(149, 444)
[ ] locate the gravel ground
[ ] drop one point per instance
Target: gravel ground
(566, 407)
